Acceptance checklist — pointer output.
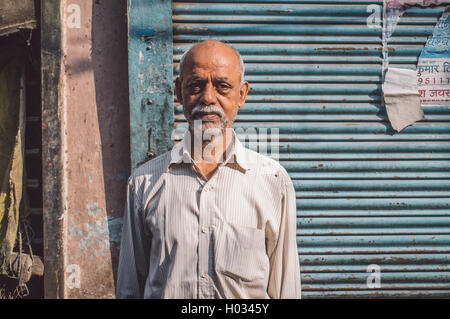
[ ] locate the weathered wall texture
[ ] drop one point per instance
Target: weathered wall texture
(96, 146)
(16, 15)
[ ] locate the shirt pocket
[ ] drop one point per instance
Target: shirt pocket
(240, 253)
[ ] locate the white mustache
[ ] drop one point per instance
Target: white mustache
(199, 108)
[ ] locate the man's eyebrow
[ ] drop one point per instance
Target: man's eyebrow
(225, 79)
(195, 79)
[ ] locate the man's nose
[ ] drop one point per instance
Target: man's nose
(208, 96)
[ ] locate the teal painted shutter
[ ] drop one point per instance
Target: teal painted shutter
(364, 194)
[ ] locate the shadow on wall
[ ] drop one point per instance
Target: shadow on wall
(110, 66)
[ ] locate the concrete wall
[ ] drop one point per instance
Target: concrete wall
(96, 152)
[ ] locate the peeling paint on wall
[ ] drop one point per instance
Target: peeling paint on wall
(94, 209)
(89, 177)
(150, 58)
(92, 238)
(96, 146)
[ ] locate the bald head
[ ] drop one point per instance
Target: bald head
(213, 49)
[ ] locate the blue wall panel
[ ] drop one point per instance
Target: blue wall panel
(150, 78)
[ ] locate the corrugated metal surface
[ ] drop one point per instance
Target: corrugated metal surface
(364, 194)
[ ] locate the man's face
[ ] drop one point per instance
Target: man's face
(210, 88)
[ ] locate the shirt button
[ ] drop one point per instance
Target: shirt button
(204, 229)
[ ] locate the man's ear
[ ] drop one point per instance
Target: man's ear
(178, 90)
(243, 93)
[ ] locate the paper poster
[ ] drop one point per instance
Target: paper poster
(433, 67)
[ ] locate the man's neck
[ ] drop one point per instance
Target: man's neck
(208, 154)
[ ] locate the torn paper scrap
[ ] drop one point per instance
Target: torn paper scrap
(401, 97)
(396, 8)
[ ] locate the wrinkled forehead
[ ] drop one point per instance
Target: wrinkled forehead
(211, 59)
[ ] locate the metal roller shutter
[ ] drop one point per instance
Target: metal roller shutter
(364, 194)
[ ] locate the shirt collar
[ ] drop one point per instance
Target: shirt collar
(182, 152)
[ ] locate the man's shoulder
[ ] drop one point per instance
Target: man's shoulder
(155, 166)
(264, 164)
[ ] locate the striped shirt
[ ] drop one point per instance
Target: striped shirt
(232, 236)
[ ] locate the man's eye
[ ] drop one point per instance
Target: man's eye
(223, 88)
(195, 88)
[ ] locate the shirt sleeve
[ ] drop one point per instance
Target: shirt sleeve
(134, 250)
(284, 277)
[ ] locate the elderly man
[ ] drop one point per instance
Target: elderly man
(210, 219)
